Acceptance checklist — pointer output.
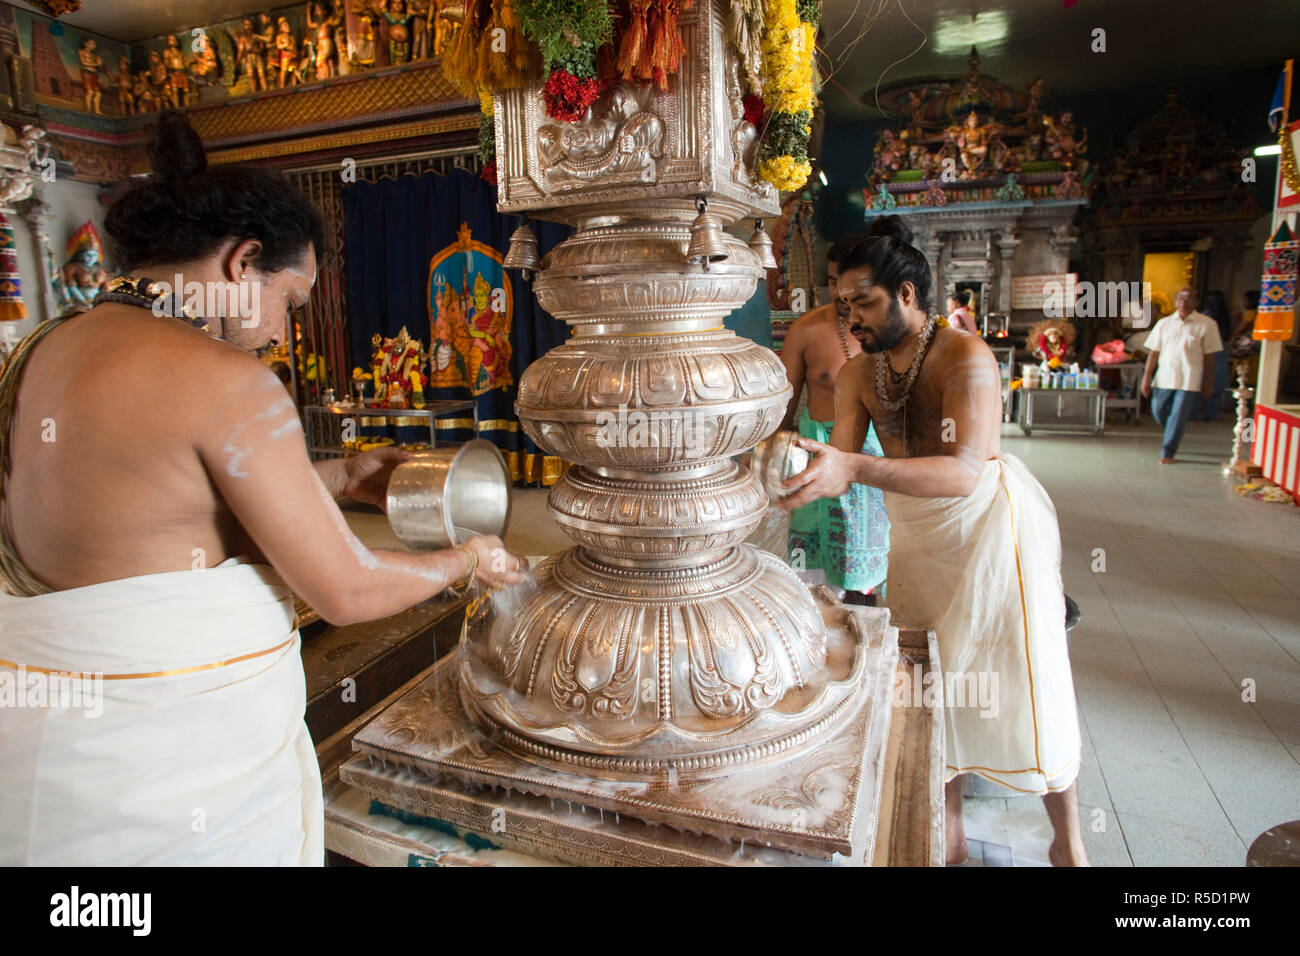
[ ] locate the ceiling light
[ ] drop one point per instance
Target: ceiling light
(821, 174)
(1272, 149)
(958, 33)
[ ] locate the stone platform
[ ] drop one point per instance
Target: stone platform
(423, 759)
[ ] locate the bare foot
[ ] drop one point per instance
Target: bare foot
(1166, 461)
(1067, 842)
(958, 849)
(1064, 857)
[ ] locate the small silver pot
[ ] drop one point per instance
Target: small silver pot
(777, 458)
(444, 496)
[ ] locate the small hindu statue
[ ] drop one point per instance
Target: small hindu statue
(1052, 341)
(1037, 95)
(973, 140)
(285, 57)
(91, 62)
(306, 63)
(178, 76)
(399, 31)
(264, 44)
(421, 27)
(396, 371)
(146, 98)
(125, 84)
(890, 155)
(83, 276)
(364, 45)
(322, 18)
(250, 55)
(205, 67)
(162, 89)
(1062, 144)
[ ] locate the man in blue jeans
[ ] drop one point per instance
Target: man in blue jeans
(1180, 354)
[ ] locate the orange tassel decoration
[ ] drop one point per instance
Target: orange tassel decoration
(522, 59)
(633, 53)
(665, 41)
(506, 59)
(461, 62)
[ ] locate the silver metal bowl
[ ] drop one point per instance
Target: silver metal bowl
(444, 496)
(777, 458)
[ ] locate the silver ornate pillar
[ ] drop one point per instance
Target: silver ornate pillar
(662, 642)
(664, 671)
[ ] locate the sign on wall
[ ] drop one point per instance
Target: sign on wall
(1032, 292)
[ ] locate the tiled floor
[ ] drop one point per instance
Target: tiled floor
(1200, 592)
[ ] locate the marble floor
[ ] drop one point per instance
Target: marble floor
(1198, 603)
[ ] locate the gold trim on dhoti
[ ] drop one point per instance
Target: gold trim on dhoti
(170, 673)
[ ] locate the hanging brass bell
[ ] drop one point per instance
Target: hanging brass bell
(706, 244)
(761, 244)
(522, 253)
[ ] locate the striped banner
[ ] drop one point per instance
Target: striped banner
(11, 293)
(1277, 448)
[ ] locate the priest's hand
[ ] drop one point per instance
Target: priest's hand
(368, 474)
(496, 565)
(829, 476)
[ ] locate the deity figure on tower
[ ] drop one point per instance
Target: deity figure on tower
(178, 76)
(125, 87)
(91, 62)
(285, 54)
(399, 31)
(250, 55)
(322, 18)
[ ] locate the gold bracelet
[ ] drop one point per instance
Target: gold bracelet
(461, 587)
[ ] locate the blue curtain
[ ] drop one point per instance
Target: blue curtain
(399, 236)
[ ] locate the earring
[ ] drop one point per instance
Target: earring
(241, 275)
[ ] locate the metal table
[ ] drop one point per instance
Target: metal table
(324, 423)
(1047, 408)
(1129, 395)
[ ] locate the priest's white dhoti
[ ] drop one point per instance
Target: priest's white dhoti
(181, 742)
(985, 572)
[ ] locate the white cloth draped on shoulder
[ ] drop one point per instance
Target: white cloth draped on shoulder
(985, 572)
(193, 750)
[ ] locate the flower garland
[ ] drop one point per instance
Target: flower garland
(569, 34)
(487, 139)
(788, 42)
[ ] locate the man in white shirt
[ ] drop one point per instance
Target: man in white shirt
(1180, 354)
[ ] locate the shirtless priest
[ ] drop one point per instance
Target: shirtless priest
(976, 550)
(158, 505)
(847, 538)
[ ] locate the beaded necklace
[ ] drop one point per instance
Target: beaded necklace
(152, 295)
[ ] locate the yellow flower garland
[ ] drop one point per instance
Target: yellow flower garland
(785, 172)
(788, 47)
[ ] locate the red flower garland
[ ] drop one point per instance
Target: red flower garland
(489, 172)
(568, 97)
(754, 109)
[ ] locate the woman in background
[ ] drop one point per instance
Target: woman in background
(960, 315)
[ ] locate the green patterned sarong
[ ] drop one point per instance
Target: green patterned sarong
(847, 537)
